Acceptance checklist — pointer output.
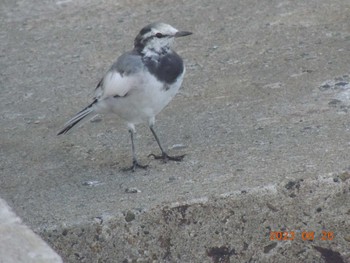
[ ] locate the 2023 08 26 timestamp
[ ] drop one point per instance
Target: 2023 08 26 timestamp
(304, 235)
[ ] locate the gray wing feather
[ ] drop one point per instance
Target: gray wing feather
(128, 63)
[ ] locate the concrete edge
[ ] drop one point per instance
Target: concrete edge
(238, 225)
(18, 244)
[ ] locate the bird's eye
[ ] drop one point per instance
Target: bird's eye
(159, 35)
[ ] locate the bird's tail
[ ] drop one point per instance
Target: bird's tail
(77, 118)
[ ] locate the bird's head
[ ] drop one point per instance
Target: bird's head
(157, 38)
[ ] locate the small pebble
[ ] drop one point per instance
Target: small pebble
(344, 176)
(130, 216)
(132, 190)
(92, 183)
(178, 146)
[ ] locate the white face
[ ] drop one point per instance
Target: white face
(160, 37)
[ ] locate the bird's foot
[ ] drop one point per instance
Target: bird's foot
(165, 157)
(135, 165)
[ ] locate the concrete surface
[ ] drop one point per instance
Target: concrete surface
(263, 113)
(18, 244)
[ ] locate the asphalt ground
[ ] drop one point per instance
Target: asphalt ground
(263, 110)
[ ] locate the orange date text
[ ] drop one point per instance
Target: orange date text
(304, 235)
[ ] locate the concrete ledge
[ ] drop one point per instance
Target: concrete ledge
(18, 244)
(239, 226)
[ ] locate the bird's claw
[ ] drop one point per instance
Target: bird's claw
(165, 157)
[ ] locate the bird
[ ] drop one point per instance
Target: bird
(139, 85)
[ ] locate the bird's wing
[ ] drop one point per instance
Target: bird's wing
(121, 78)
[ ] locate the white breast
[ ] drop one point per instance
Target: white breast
(142, 96)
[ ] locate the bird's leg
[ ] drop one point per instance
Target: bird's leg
(135, 162)
(164, 156)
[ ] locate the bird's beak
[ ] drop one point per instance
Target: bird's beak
(182, 33)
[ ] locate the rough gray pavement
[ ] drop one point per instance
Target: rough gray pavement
(263, 117)
(18, 244)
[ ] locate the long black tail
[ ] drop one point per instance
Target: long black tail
(77, 118)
